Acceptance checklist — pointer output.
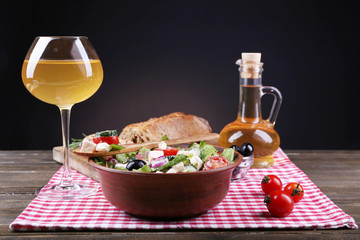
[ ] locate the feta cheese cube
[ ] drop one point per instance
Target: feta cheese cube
(176, 168)
(103, 147)
(171, 171)
(194, 152)
(189, 169)
(162, 145)
(183, 152)
(196, 162)
(87, 146)
(120, 166)
(154, 154)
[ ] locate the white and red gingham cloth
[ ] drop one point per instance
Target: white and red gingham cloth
(242, 208)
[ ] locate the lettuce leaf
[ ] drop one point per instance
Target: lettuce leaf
(121, 157)
(143, 151)
(144, 168)
(206, 151)
(229, 154)
(193, 145)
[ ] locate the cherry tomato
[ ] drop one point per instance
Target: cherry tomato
(279, 203)
(271, 183)
(295, 190)
(169, 151)
(108, 140)
(214, 162)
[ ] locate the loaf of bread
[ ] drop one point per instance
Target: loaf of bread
(175, 125)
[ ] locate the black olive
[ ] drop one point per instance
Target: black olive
(236, 148)
(245, 150)
(135, 164)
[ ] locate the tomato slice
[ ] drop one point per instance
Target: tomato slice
(108, 140)
(214, 162)
(169, 151)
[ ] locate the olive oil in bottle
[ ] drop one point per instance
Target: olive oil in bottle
(249, 125)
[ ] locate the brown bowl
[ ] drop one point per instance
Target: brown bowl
(166, 195)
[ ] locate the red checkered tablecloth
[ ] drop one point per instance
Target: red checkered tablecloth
(242, 208)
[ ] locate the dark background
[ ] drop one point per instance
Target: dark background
(165, 56)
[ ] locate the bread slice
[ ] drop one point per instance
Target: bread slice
(174, 125)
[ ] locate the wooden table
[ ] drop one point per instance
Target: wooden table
(336, 173)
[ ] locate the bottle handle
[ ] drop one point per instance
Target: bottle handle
(276, 104)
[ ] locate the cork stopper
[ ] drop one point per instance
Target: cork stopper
(250, 65)
(251, 57)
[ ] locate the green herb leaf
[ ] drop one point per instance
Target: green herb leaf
(164, 138)
(107, 133)
(100, 161)
(75, 143)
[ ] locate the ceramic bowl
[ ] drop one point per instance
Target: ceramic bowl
(166, 195)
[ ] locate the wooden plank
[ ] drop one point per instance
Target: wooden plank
(335, 173)
(186, 234)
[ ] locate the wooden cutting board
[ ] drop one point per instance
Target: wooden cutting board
(80, 163)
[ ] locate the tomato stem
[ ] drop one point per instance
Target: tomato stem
(267, 200)
(265, 179)
(296, 191)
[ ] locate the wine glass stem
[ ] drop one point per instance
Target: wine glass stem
(66, 180)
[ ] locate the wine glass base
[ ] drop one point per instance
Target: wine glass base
(57, 192)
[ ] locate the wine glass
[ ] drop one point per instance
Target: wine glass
(63, 70)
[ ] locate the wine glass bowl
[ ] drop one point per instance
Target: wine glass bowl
(63, 71)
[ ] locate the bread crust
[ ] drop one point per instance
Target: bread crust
(174, 125)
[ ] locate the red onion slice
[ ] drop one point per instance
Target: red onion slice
(112, 161)
(158, 162)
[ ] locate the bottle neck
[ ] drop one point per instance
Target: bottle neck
(250, 92)
(250, 101)
(251, 81)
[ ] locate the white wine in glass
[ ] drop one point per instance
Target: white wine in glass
(63, 70)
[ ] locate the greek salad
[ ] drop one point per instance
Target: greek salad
(104, 141)
(165, 159)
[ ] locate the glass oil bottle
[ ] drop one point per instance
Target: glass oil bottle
(249, 125)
